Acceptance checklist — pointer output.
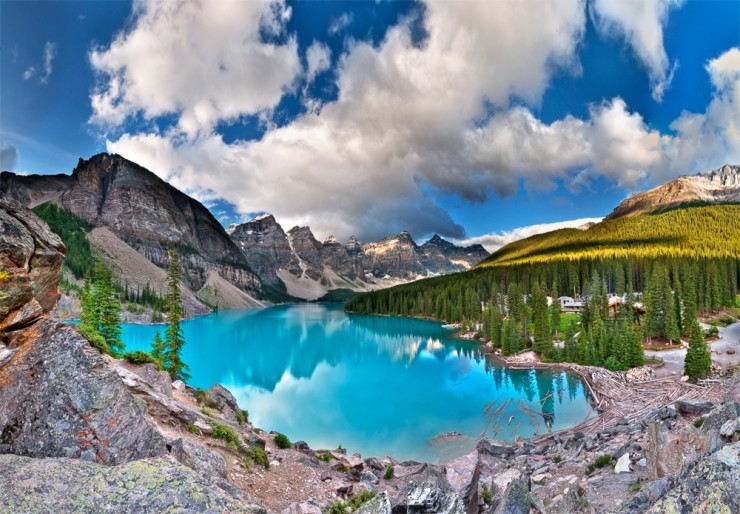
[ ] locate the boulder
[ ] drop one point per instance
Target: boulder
(731, 429)
(31, 266)
(515, 500)
(572, 501)
(689, 407)
(623, 464)
(668, 453)
(301, 445)
(719, 416)
(59, 398)
(496, 448)
(463, 474)
(159, 381)
(713, 484)
(149, 485)
(199, 458)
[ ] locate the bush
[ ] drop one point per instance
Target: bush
(603, 461)
(139, 357)
(698, 422)
(93, 337)
(613, 364)
(260, 457)
(486, 495)
(635, 487)
(282, 441)
(336, 507)
(388, 473)
(193, 429)
(242, 416)
(326, 457)
(359, 499)
(227, 434)
(557, 459)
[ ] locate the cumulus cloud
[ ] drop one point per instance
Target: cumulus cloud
(640, 24)
(409, 118)
(8, 157)
(496, 240)
(204, 61)
(318, 58)
(50, 52)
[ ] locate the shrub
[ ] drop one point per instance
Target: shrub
(93, 337)
(3, 274)
(326, 457)
(635, 487)
(207, 413)
(139, 357)
(227, 434)
(260, 457)
(613, 364)
(242, 415)
(336, 507)
(589, 469)
(193, 429)
(698, 422)
(200, 396)
(282, 441)
(486, 495)
(359, 499)
(603, 461)
(557, 459)
(248, 462)
(388, 473)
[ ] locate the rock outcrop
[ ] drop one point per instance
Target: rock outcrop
(720, 185)
(144, 211)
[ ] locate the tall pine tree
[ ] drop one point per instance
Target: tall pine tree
(174, 339)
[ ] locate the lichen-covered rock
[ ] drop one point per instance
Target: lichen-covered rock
(58, 398)
(158, 380)
(690, 407)
(222, 399)
(669, 453)
(73, 486)
(515, 500)
(463, 474)
(30, 266)
(712, 485)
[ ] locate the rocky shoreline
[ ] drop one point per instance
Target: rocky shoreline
(82, 432)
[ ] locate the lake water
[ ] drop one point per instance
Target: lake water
(376, 385)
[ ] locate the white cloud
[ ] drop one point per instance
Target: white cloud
(204, 61)
(318, 57)
(704, 141)
(8, 157)
(413, 117)
(496, 240)
(50, 52)
(640, 23)
(341, 23)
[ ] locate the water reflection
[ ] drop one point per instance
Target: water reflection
(377, 385)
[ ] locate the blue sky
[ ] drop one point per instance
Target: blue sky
(371, 117)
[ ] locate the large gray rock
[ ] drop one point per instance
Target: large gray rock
(60, 399)
(30, 267)
(496, 448)
(515, 500)
(159, 381)
(199, 458)
(73, 486)
(689, 407)
(712, 485)
(463, 474)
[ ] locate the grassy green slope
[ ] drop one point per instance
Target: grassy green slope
(704, 231)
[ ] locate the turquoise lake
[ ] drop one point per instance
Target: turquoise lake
(376, 385)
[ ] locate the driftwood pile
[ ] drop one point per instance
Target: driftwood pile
(615, 397)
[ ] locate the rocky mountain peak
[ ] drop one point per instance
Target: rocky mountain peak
(331, 240)
(720, 185)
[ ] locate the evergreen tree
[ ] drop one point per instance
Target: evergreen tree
(698, 360)
(542, 334)
(159, 352)
(107, 308)
(174, 340)
(555, 310)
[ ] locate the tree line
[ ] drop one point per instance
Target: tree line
(509, 306)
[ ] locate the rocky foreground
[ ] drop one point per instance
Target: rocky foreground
(82, 432)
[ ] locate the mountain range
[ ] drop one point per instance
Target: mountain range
(135, 213)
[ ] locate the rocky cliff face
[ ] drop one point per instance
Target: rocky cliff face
(320, 266)
(144, 211)
(720, 185)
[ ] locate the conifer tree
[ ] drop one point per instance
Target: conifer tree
(159, 352)
(698, 360)
(542, 337)
(107, 308)
(174, 339)
(555, 310)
